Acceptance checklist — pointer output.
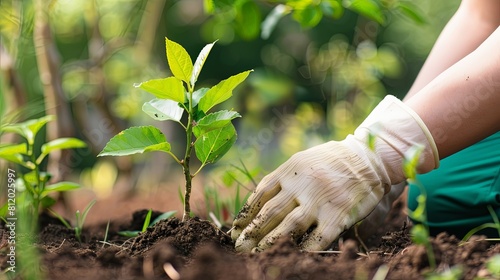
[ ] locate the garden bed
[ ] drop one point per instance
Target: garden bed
(197, 250)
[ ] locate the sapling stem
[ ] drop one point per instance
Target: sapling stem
(187, 158)
(37, 191)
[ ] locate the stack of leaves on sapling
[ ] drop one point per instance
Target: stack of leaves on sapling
(209, 134)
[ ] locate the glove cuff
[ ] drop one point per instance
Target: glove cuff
(395, 129)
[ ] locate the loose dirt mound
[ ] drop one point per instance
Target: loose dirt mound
(197, 250)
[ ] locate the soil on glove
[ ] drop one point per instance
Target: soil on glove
(196, 249)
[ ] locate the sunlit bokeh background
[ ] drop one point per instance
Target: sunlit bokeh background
(311, 83)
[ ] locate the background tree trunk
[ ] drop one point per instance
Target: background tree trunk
(56, 104)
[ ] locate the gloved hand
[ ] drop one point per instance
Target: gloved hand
(336, 184)
(371, 224)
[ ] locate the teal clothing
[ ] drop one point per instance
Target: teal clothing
(459, 191)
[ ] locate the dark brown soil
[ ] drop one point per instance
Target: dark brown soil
(197, 250)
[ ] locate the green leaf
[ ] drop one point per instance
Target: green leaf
(28, 129)
(332, 8)
(200, 60)
(47, 201)
(135, 140)
(248, 19)
(209, 6)
(222, 91)
(163, 109)
(85, 213)
(13, 153)
(309, 16)
(4, 210)
(163, 216)
(168, 88)
(63, 143)
(214, 121)
(60, 144)
(179, 61)
(419, 234)
(412, 11)
(197, 95)
(60, 187)
(60, 218)
(481, 227)
(15, 128)
(211, 146)
(129, 233)
(31, 178)
(145, 225)
(419, 214)
(366, 8)
(411, 160)
(371, 141)
(219, 5)
(272, 20)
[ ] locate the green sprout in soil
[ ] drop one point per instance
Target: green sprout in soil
(420, 232)
(79, 220)
(210, 135)
(147, 223)
(494, 225)
(32, 183)
(223, 210)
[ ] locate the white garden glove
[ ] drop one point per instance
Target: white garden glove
(371, 224)
(336, 184)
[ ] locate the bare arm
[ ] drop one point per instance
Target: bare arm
(462, 105)
(473, 22)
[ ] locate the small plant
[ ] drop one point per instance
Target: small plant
(79, 220)
(494, 225)
(223, 210)
(210, 135)
(33, 185)
(419, 232)
(147, 223)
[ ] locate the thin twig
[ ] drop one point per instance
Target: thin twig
(229, 231)
(58, 247)
(360, 239)
(333, 252)
(214, 218)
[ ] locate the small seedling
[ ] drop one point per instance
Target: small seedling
(494, 225)
(106, 233)
(223, 210)
(210, 135)
(79, 220)
(33, 186)
(147, 223)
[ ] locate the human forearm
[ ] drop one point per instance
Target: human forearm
(462, 105)
(474, 21)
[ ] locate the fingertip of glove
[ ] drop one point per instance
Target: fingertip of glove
(310, 246)
(244, 245)
(235, 233)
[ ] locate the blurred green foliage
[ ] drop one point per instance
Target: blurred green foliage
(320, 65)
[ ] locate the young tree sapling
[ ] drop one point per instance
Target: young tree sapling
(210, 135)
